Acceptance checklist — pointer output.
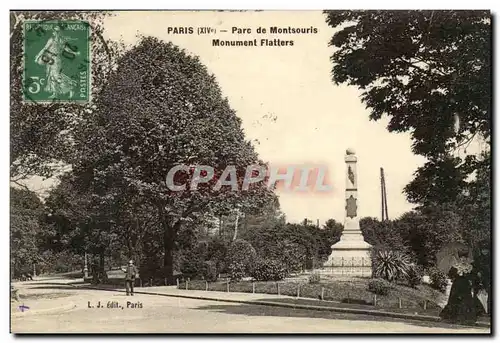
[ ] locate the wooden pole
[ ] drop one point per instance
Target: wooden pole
(187, 284)
(425, 304)
(385, 202)
(206, 285)
(140, 282)
(253, 287)
(385, 212)
(400, 303)
(374, 300)
(150, 282)
(278, 287)
(228, 286)
(382, 217)
(298, 290)
(177, 280)
(322, 293)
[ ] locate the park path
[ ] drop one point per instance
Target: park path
(161, 314)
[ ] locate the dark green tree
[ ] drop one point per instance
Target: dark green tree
(28, 232)
(85, 221)
(160, 109)
(429, 72)
(325, 237)
(475, 206)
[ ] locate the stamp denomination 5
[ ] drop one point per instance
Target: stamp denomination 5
(56, 61)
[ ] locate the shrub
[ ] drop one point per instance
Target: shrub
(292, 255)
(237, 271)
(314, 278)
(241, 255)
(379, 286)
(210, 271)
(149, 267)
(202, 249)
(217, 252)
(414, 276)
(438, 279)
(192, 265)
(268, 270)
(50, 262)
(390, 265)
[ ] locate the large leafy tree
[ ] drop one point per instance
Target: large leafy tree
(420, 233)
(236, 224)
(161, 108)
(329, 235)
(28, 233)
(430, 73)
(382, 234)
(85, 222)
(475, 206)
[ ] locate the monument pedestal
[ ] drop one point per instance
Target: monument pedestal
(350, 256)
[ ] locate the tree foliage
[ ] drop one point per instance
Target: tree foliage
(27, 230)
(429, 72)
(475, 206)
(382, 235)
(161, 108)
(420, 68)
(297, 246)
(426, 71)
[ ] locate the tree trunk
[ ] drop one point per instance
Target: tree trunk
(130, 244)
(236, 225)
(103, 276)
(169, 236)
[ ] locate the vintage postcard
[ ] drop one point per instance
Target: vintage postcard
(250, 171)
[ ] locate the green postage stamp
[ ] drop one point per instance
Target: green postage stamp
(56, 61)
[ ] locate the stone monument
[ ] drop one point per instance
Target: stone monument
(350, 255)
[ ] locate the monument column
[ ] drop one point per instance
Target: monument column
(351, 221)
(351, 255)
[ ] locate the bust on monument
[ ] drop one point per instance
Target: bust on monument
(350, 151)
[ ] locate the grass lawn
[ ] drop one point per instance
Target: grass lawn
(346, 291)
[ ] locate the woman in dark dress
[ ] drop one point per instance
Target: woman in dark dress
(461, 307)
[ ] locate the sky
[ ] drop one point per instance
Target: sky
(289, 105)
